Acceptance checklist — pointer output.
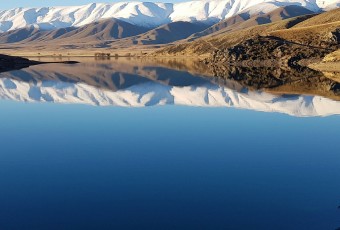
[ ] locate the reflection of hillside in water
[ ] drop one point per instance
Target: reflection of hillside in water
(159, 82)
(281, 80)
(109, 75)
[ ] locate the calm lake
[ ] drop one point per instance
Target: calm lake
(162, 145)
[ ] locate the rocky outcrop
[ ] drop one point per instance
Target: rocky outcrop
(267, 51)
(334, 36)
(8, 63)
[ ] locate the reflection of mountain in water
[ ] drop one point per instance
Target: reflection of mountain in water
(287, 80)
(136, 85)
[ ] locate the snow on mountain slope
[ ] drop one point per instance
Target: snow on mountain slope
(153, 93)
(146, 13)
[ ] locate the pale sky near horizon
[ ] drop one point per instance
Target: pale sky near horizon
(39, 3)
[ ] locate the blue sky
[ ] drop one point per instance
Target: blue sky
(7, 4)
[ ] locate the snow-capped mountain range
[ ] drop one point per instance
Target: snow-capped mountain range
(147, 13)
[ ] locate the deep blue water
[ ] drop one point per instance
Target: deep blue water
(69, 163)
(170, 167)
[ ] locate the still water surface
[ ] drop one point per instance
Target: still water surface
(100, 152)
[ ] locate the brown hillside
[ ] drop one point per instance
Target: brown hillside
(242, 21)
(320, 35)
(164, 34)
(205, 45)
(104, 30)
(326, 17)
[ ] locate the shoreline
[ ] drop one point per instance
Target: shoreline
(10, 63)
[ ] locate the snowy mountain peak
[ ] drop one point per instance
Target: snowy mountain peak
(146, 13)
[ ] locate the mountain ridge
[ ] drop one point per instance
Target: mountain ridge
(116, 33)
(242, 21)
(145, 13)
(106, 29)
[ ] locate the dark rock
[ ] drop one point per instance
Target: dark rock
(8, 63)
(70, 62)
(335, 36)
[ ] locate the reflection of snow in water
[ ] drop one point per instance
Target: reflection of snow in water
(155, 93)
